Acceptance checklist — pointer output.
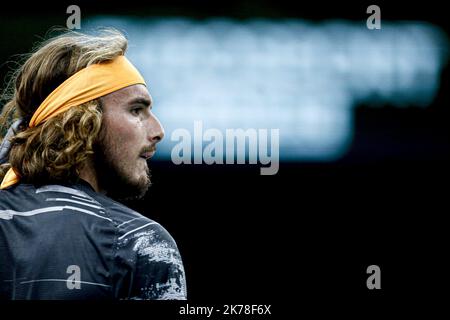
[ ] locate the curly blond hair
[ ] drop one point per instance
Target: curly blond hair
(56, 149)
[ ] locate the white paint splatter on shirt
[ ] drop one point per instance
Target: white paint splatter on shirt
(148, 245)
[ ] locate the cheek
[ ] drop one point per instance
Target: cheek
(124, 135)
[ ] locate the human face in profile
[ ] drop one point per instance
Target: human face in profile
(128, 138)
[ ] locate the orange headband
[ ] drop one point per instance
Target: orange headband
(87, 84)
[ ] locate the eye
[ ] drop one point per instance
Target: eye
(136, 110)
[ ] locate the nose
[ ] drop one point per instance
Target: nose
(155, 130)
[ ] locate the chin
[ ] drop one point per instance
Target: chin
(141, 185)
(127, 187)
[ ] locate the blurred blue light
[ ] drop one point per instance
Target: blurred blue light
(300, 77)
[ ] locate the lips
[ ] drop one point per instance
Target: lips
(148, 154)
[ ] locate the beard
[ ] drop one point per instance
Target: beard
(112, 175)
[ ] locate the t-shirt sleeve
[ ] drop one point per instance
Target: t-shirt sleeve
(149, 265)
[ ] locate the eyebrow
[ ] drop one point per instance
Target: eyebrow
(146, 102)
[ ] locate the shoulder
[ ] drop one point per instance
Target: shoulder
(148, 252)
(132, 225)
(28, 200)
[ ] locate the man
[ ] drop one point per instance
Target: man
(84, 133)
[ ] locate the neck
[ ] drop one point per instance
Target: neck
(88, 174)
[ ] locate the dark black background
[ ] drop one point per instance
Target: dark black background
(306, 235)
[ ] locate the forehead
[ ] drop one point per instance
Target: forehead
(128, 94)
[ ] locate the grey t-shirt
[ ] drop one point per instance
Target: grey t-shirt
(69, 242)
